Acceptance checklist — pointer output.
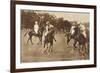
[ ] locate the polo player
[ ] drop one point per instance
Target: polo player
(83, 30)
(48, 27)
(36, 27)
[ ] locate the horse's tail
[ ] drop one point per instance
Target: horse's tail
(26, 33)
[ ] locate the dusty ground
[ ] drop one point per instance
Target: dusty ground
(33, 53)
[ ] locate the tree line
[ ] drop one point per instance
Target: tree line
(28, 18)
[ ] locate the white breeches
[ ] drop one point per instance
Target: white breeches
(46, 33)
(84, 33)
(36, 30)
(72, 31)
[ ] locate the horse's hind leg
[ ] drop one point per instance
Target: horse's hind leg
(75, 42)
(45, 51)
(25, 34)
(28, 40)
(51, 46)
(85, 52)
(68, 40)
(49, 49)
(44, 44)
(40, 40)
(80, 51)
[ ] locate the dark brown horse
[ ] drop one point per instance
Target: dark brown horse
(32, 33)
(48, 42)
(80, 41)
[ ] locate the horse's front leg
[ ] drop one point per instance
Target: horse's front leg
(54, 39)
(75, 42)
(46, 49)
(49, 49)
(83, 53)
(40, 40)
(51, 46)
(31, 40)
(68, 40)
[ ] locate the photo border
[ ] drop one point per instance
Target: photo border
(13, 35)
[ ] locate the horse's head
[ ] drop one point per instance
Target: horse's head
(52, 31)
(41, 29)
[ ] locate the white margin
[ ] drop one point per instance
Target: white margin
(58, 63)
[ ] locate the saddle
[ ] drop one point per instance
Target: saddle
(36, 34)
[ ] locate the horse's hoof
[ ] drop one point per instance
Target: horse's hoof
(48, 54)
(43, 52)
(75, 47)
(67, 46)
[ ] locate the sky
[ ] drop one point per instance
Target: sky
(71, 16)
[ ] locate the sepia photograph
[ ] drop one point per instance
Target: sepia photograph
(54, 36)
(51, 36)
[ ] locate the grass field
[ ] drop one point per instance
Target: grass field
(33, 53)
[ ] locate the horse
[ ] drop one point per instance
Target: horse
(71, 34)
(32, 33)
(80, 38)
(82, 41)
(49, 41)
